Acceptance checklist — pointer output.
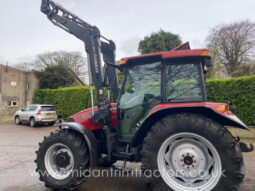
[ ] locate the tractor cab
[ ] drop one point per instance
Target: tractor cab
(166, 77)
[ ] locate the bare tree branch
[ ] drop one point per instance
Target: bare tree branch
(234, 43)
(24, 66)
(73, 60)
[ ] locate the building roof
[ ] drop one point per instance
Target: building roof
(77, 79)
(7, 67)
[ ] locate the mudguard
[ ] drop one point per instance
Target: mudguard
(89, 138)
(225, 120)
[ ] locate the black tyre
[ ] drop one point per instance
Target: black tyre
(62, 160)
(32, 122)
(17, 120)
(183, 143)
(51, 123)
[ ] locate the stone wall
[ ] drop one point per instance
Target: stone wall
(16, 89)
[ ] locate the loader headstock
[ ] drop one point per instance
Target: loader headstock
(45, 6)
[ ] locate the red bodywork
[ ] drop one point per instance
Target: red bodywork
(85, 117)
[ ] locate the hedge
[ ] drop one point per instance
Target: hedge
(67, 100)
(239, 92)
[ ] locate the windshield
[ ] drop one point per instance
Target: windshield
(183, 82)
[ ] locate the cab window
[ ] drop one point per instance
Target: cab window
(183, 82)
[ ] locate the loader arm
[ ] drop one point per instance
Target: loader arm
(95, 46)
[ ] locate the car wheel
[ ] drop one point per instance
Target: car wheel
(51, 123)
(17, 120)
(32, 122)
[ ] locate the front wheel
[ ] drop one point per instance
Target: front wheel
(17, 120)
(32, 122)
(192, 153)
(63, 160)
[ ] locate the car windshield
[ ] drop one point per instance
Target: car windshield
(183, 82)
(48, 108)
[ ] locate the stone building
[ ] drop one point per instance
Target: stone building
(16, 90)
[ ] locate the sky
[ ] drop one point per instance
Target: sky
(26, 32)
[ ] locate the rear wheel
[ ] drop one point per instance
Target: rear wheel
(51, 123)
(62, 160)
(32, 122)
(17, 120)
(192, 153)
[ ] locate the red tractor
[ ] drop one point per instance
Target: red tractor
(160, 117)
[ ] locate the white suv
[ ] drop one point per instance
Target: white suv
(38, 113)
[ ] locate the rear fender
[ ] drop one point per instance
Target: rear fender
(225, 120)
(89, 138)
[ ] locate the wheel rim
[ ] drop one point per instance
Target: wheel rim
(189, 162)
(17, 120)
(32, 122)
(59, 161)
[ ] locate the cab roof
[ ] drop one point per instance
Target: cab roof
(180, 51)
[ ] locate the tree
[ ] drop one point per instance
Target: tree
(214, 71)
(159, 41)
(55, 76)
(73, 60)
(234, 43)
(24, 66)
(244, 70)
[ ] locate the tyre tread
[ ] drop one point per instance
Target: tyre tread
(226, 144)
(80, 149)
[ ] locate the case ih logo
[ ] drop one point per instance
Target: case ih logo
(113, 109)
(96, 60)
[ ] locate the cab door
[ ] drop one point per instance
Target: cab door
(141, 92)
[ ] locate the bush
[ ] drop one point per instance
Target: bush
(67, 100)
(239, 92)
(56, 76)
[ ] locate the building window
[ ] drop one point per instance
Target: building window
(28, 86)
(13, 83)
(12, 103)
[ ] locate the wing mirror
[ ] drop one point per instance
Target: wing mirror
(232, 108)
(208, 62)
